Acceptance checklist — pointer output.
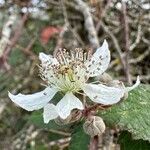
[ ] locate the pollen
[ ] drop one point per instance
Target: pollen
(70, 72)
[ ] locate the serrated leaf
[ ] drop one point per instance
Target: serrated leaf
(79, 139)
(127, 143)
(133, 114)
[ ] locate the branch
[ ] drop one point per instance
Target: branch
(27, 50)
(126, 39)
(13, 42)
(138, 38)
(116, 44)
(60, 40)
(17, 34)
(66, 27)
(6, 32)
(89, 25)
(141, 57)
(103, 12)
(94, 143)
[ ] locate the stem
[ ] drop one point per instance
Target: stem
(94, 143)
(89, 23)
(126, 39)
(88, 110)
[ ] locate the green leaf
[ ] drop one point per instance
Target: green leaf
(133, 114)
(16, 57)
(127, 143)
(79, 139)
(37, 119)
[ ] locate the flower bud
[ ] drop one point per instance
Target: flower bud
(116, 83)
(119, 84)
(94, 125)
(61, 121)
(74, 116)
(105, 78)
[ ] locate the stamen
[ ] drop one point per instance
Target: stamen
(69, 74)
(84, 57)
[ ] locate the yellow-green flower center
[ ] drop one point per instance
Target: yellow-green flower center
(69, 75)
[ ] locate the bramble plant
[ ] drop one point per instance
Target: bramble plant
(69, 74)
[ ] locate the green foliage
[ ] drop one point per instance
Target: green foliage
(39, 146)
(16, 57)
(37, 47)
(37, 119)
(3, 84)
(55, 136)
(79, 140)
(127, 143)
(133, 114)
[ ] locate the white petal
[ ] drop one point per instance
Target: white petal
(68, 103)
(103, 94)
(135, 85)
(47, 59)
(35, 101)
(49, 113)
(99, 61)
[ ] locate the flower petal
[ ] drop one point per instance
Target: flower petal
(99, 61)
(103, 94)
(33, 101)
(68, 103)
(49, 113)
(47, 59)
(135, 85)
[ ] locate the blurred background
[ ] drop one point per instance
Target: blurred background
(28, 27)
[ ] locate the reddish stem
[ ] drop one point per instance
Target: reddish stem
(93, 109)
(94, 143)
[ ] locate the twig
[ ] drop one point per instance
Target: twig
(23, 137)
(60, 40)
(60, 132)
(146, 41)
(59, 142)
(27, 49)
(66, 27)
(140, 58)
(89, 25)
(69, 26)
(5, 39)
(142, 77)
(2, 107)
(89, 110)
(126, 32)
(6, 32)
(13, 41)
(138, 38)
(94, 143)
(103, 12)
(16, 35)
(116, 44)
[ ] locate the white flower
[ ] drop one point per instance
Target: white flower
(69, 73)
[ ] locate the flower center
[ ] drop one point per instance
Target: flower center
(70, 74)
(68, 80)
